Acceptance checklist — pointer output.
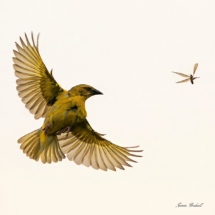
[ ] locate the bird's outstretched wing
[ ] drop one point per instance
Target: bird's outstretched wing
(36, 86)
(195, 68)
(87, 147)
(183, 81)
(181, 74)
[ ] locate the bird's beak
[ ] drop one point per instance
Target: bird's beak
(96, 92)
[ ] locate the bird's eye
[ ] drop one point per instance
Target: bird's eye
(88, 88)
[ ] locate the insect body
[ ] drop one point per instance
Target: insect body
(189, 78)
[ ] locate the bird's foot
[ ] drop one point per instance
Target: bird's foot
(67, 129)
(46, 129)
(62, 131)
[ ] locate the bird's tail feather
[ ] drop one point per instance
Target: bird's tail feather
(37, 145)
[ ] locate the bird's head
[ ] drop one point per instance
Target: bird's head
(84, 91)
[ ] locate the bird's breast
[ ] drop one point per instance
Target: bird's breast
(63, 114)
(73, 115)
(67, 117)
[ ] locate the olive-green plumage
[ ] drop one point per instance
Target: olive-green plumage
(65, 129)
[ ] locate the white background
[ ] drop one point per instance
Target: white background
(127, 50)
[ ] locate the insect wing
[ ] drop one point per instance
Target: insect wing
(195, 68)
(183, 80)
(181, 74)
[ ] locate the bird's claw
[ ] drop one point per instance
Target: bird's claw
(67, 129)
(46, 129)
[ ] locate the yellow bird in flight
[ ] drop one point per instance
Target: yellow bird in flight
(189, 77)
(65, 129)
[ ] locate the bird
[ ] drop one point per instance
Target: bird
(189, 77)
(65, 131)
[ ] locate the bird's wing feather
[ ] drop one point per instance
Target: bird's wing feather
(183, 81)
(36, 86)
(85, 146)
(181, 74)
(195, 68)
